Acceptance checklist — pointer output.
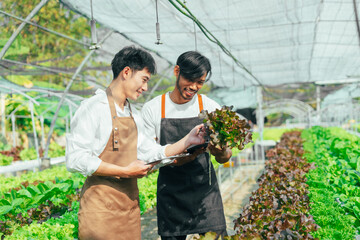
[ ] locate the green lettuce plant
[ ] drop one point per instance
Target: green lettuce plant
(5, 160)
(28, 154)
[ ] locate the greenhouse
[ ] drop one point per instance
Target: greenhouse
(279, 153)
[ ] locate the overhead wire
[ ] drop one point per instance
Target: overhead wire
(45, 29)
(195, 36)
(330, 34)
(51, 70)
(51, 31)
(319, 10)
(357, 19)
(212, 38)
(185, 26)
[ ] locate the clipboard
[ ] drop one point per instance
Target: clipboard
(193, 148)
(167, 160)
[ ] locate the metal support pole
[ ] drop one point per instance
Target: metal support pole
(86, 59)
(13, 129)
(260, 120)
(66, 124)
(42, 132)
(318, 99)
(351, 115)
(20, 93)
(256, 148)
(31, 106)
(3, 113)
(231, 170)
(70, 114)
(22, 25)
(46, 29)
(252, 155)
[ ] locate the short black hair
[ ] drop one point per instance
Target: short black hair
(135, 58)
(193, 65)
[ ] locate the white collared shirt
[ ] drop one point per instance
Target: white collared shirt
(151, 111)
(90, 131)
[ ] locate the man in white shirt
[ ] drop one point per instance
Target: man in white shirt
(106, 140)
(188, 195)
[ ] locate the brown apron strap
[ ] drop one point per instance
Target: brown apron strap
(201, 106)
(163, 106)
(131, 115)
(115, 131)
(111, 104)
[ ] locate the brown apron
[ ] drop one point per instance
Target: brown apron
(109, 207)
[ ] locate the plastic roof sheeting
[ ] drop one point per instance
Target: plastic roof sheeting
(238, 97)
(342, 96)
(280, 42)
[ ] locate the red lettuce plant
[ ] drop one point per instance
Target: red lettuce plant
(279, 209)
(226, 129)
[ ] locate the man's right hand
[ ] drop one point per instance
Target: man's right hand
(187, 159)
(137, 169)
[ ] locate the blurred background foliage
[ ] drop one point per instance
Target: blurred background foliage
(38, 59)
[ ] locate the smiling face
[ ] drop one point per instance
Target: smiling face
(185, 89)
(136, 83)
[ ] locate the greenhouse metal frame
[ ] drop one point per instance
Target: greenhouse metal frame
(198, 27)
(258, 49)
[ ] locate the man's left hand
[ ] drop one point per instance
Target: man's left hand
(221, 155)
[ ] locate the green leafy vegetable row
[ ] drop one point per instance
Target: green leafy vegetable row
(19, 201)
(43, 207)
(279, 208)
(335, 184)
(20, 153)
(64, 227)
(7, 183)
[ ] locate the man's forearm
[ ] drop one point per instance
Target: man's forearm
(135, 169)
(109, 169)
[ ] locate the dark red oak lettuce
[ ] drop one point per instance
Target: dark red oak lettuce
(226, 129)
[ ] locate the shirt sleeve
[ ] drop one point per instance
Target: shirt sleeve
(80, 142)
(148, 150)
(209, 104)
(148, 118)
